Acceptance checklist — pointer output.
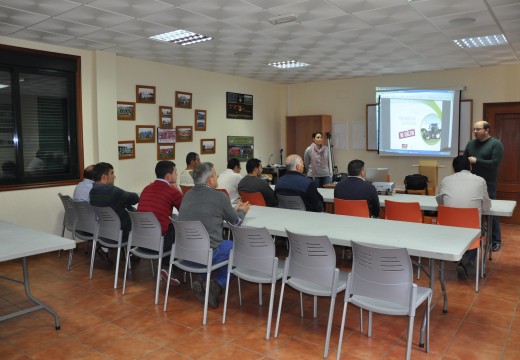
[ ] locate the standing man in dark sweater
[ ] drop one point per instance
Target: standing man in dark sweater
(485, 154)
(211, 207)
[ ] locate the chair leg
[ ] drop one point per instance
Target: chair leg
(279, 311)
(301, 304)
(369, 333)
(260, 302)
(70, 259)
(342, 328)
(239, 291)
(92, 257)
(158, 268)
(315, 309)
(206, 296)
(329, 326)
(477, 265)
(361, 320)
(117, 267)
(226, 298)
(126, 271)
(443, 288)
(409, 339)
(168, 285)
(270, 314)
(419, 268)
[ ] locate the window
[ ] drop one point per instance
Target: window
(39, 119)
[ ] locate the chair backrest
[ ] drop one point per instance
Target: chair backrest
(146, 231)
(224, 191)
(293, 202)
(86, 217)
(351, 207)
(185, 188)
(254, 198)
(253, 248)
(191, 241)
(109, 224)
(384, 274)
(460, 217)
(311, 258)
(69, 218)
(403, 211)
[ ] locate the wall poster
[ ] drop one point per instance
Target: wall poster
(240, 147)
(239, 106)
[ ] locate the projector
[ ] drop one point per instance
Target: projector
(384, 187)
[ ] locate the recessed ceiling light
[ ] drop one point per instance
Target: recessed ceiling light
(181, 37)
(481, 41)
(290, 64)
(462, 21)
(277, 20)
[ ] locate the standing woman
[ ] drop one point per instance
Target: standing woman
(316, 159)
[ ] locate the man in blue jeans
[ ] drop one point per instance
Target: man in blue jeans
(211, 207)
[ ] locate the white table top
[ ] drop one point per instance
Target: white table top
(17, 241)
(431, 241)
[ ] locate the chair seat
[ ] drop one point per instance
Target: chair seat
(83, 235)
(147, 253)
(257, 276)
(195, 267)
(313, 288)
(387, 307)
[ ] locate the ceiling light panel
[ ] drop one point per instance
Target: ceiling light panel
(289, 64)
(181, 37)
(481, 41)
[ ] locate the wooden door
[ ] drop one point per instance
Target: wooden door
(504, 119)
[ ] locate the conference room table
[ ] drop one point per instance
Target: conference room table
(18, 242)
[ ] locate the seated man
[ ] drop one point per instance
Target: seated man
(82, 190)
(104, 193)
(192, 161)
(252, 183)
(229, 179)
(211, 207)
(467, 190)
(160, 198)
(354, 187)
(294, 182)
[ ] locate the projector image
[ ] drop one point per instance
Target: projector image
(384, 187)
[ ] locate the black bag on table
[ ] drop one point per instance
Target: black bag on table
(416, 182)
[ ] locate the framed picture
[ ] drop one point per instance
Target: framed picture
(126, 149)
(200, 120)
(184, 133)
(166, 136)
(183, 100)
(165, 151)
(207, 146)
(165, 117)
(240, 147)
(145, 94)
(239, 106)
(144, 134)
(125, 110)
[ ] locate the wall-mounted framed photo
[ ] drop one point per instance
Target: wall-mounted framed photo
(184, 133)
(183, 99)
(239, 106)
(125, 110)
(200, 120)
(165, 136)
(240, 147)
(144, 134)
(126, 149)
(165, 117)
(165, 151)
(207, 146)
(145, 94)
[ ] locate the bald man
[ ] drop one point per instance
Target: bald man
(82, 190)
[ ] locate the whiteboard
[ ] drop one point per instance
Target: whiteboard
(466, 123)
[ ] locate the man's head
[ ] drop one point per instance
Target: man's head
(294, 162)
(192, 160)
(481, 130)
(104, 173)
(356, 168)
(317, 137)
(88, 173)
(254, 167)
(166, 170)
(460, 163)
(205, 174)
(234, 165)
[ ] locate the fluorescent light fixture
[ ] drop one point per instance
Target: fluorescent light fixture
(3, 86)
(181, 37)
(289, 64)
(277, 20)
(481, 41)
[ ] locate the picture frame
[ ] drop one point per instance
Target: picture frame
(126, 149)
(125, 110)
(144, 134)
(166, 136)
(145, 94)
(239, 106)
(207, 146)
(184, 133)
(166, 117)
(200, 120)
(165, 151)
(183, 99)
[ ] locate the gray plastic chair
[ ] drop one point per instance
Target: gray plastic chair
(145, 241)
(69, 217)
(86, 223)
(108, 234)
(192, 252)
(381, 282)
(310, 268)
(293, 202)
(253, 259)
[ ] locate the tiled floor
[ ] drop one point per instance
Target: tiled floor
(99, 322)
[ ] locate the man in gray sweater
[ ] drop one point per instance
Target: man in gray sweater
(211, 207)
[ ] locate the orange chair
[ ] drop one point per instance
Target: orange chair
(224, 191)
(254, 198)
(351, 207)
(466, 218)
(185, 189)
